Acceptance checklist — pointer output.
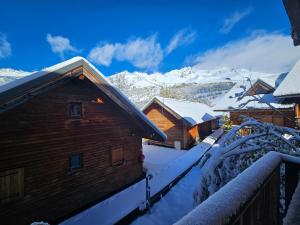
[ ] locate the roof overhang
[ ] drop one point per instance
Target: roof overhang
(292, 8)
(45, 79)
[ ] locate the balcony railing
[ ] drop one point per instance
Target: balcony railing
(253, 197)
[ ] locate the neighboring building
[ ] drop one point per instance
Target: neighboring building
(68, 140)
(256, 100)
(292, 8)
(289, 90)
(184, 122)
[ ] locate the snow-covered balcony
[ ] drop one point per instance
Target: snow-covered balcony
(254, 196)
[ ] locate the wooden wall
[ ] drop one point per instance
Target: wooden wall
(270, 116)
(39, 137)
(174, 128)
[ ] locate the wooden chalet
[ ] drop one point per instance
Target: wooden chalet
(256, 100)
(289, 90)
(68, 140)
(184, 122)
(292, 8)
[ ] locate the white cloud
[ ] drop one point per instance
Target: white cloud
(273, 53)
(5, 48)
(60, 45)
(142, 53)
(231, 21)
(182, 37)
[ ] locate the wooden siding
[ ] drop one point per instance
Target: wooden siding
(177, 129)
(174, 128)
(268, 115)
(39, 137)
(259, 88)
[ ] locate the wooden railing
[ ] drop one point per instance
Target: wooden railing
(253, 197)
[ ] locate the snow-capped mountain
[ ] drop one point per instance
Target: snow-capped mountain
(7, 75)
(186, 83)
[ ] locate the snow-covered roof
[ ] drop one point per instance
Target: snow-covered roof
(16, 92)
(289, 87)
(237, 99)
(192, 112)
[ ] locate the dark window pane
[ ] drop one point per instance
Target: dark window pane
(75, 162)
(75, 110)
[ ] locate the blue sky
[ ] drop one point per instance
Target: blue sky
(146, 35)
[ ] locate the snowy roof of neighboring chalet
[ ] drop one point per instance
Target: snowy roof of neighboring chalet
(289, 87)
(192, 112)
(20, 90)
(237, 99)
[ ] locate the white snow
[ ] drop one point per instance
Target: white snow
(112, 209)
(157, 157)
(290, 85)
(236, 98)
(293, 214)
(72, 63)
(192, 112)
(119, 205)
(179, 200)
(216, 210)
(187, 75)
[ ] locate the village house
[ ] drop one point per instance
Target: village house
(68, 140)
(256, 100)
(289, 90)
(184, 122)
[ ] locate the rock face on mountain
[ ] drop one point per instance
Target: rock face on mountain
(187, 83)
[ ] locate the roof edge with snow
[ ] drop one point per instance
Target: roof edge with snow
(19, 91)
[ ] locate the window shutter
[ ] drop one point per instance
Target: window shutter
(11, 185)
(117, 156)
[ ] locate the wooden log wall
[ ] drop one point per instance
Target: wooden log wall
(39, 137)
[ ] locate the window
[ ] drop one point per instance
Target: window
(11, 185)
(117, 157)
(75, 110)
(75, 162)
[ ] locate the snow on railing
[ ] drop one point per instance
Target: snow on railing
(181, 164)
(225, 203)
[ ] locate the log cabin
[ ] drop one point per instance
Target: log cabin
(183, 122)
(289, 90)
(292, 8)
(68, 140)
(256, 100)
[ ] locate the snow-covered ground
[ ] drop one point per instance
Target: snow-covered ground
(179, 200)
(158, 157)
(169, 165)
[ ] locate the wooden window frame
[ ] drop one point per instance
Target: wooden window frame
(75, 116)
(75, 169)
(5, 181)
(117, 156)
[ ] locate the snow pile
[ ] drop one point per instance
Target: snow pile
(157, 157)
(181, 164)
(179, 200)
(293, 213)
(290, 85)
(112, 209)
(216, 210)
